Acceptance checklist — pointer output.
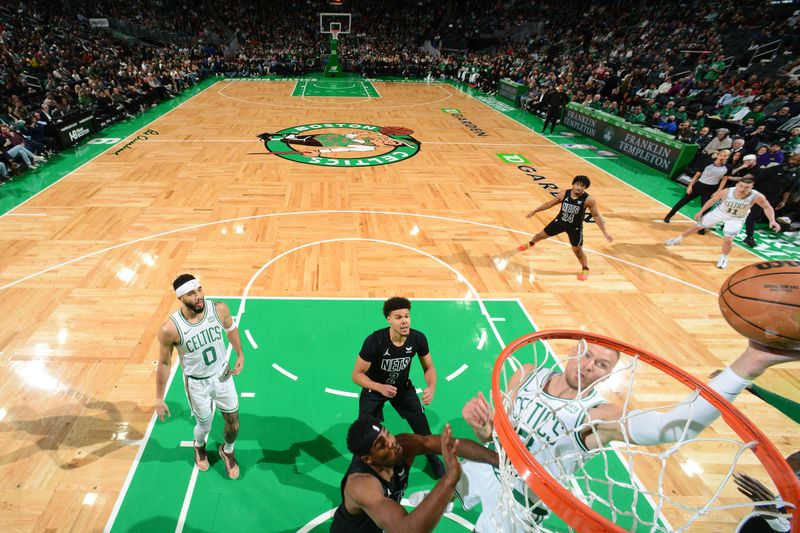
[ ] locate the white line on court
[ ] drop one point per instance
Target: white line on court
(135, 463)
(283, 371)
(375, 89)
(187, 444)
(250, 339)
(341, 393)
(457, 373)
(498, 319)
(335, 211)
(187, 500)
(482, 341)
(137, 132)
(248, 395)
(330, 107)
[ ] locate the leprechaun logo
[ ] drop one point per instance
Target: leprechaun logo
(342, 144)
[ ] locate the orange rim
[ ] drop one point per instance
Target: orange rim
(569, 508)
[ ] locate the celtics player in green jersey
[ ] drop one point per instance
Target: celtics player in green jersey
(196, 331)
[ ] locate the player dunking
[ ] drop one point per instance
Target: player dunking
(574, 203)
(196, 331)
(734, 204)
(562, 418)
(382, 368)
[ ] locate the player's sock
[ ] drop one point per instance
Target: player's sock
(199, 444)
(228, 447)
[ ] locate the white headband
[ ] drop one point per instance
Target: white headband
(189, 286)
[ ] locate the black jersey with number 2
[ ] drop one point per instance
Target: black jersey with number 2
(390, 364)
(572, 209)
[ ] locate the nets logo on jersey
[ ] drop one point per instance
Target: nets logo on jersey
(342, 144)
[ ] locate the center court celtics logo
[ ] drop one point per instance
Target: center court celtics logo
(342, 144)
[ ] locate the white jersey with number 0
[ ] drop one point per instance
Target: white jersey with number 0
(202, 346)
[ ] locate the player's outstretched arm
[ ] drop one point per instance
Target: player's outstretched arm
(167, 338)
(366, 492)
(547, 205)
(232, 331)
(414, 445)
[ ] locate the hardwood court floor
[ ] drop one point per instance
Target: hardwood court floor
(84, 288)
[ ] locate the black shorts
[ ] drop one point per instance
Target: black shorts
(575, 232)
(406, 403)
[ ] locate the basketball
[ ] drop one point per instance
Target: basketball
(396, 130)
(762, 302)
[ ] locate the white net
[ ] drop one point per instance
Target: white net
(672, 487)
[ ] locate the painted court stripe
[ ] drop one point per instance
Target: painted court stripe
(482, 342)
(187, 444)
(419, 391)
(341, 393)
(250, 338)
(497, 319)
(283, 371)
(248, 395)
(458, 372)
(187, 500)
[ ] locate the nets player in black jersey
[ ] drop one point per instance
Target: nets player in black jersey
(373, 485)
(574, 203)
(382, 369)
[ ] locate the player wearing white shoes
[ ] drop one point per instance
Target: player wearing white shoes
(731, 212)
(196, 331)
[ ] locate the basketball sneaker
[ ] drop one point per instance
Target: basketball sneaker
(201, 458)
(723, 261)
(525, 246)
(230, 462)
(673, 242)
(584, 275)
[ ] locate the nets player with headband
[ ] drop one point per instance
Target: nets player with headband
(574, 203)
(382, 368)
(196, 331)
(374, 484)
(560, 417)
(734, 204)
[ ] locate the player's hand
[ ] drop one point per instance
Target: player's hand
(755, 490)
(609, 238)
(388, 390)
(449, 447)
(162, 410)
(477, 412)
(780, 205)
(698, 216)
(530, 214)
(774, 225)
(427, 395)
(237, 368)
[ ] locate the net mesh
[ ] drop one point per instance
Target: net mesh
(637, 488)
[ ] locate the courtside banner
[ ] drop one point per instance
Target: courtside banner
(651, 147)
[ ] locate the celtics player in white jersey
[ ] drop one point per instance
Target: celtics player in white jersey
(734, 204)
(196, 331)
(562, 419)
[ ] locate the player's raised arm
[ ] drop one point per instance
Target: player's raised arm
(232, 331)
(414, 445)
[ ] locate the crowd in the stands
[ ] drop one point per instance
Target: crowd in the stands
(655, 64)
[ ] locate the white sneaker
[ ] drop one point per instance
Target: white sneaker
(38, 158)
(723, 262)
(673, 242)
(784, 220)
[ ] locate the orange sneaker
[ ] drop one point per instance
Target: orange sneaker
(200, 458)
(523, 247)
(584, 275)
(230, 462)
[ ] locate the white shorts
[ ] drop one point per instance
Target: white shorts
(202, 394)
(479, 484)
(731, 225)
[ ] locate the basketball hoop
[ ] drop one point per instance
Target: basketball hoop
(520, 470)
(335, 34)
